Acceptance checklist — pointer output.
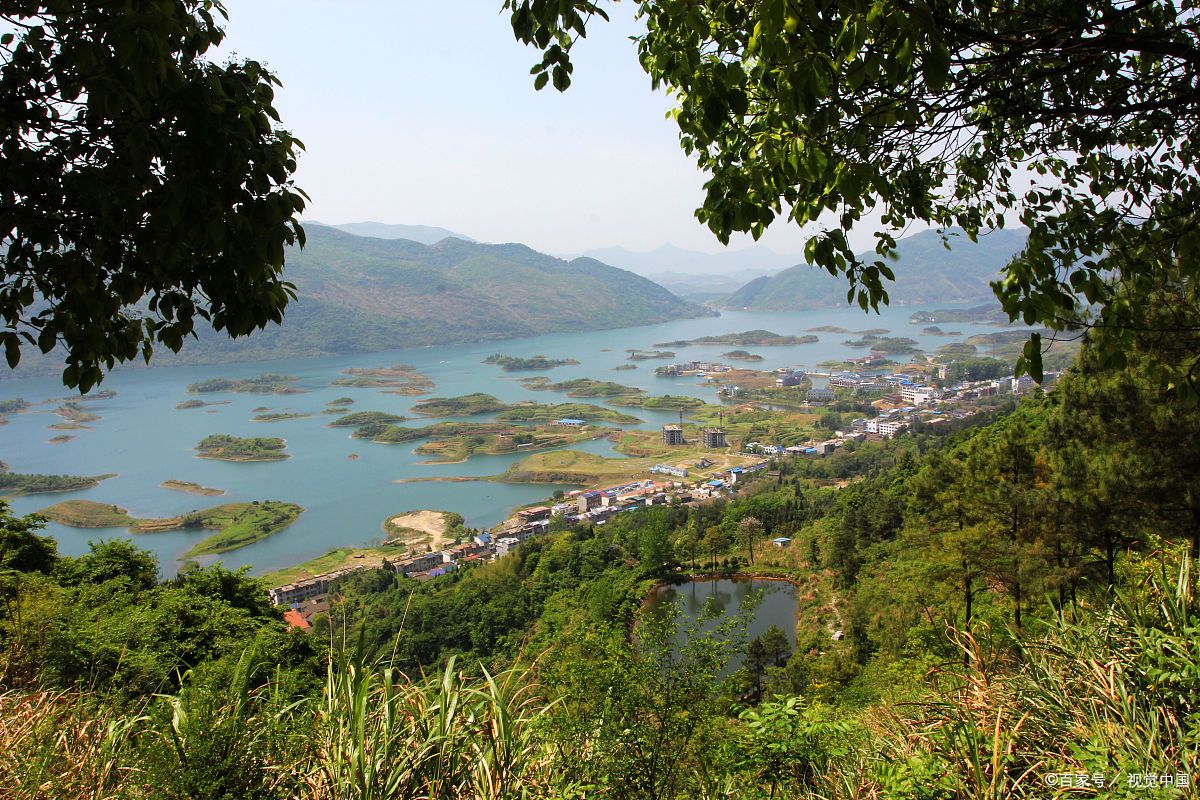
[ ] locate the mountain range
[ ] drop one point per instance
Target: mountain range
(425, 234)
(925, 271)
(362, 294)
(675, 261)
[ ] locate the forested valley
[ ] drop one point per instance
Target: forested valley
(1015, 605)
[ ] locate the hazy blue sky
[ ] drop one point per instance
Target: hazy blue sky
(424, 113)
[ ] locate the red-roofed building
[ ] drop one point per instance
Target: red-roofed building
(296, 620)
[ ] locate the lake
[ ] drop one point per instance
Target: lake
(724, 596)
(143, 438)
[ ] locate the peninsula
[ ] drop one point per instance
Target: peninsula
(234, 524)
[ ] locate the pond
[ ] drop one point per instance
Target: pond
(723, 597)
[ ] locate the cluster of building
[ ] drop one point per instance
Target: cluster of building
(693, 368)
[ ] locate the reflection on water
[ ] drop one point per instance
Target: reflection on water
(711, 601)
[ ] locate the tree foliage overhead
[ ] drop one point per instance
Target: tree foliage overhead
(141, 185)
(1077, 118)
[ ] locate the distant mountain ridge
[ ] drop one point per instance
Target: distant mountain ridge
(363, 294)
(926, 272)
(676, 261)
(425, 234)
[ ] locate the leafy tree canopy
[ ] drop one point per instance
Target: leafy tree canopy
(141, 185)
(1077, 118)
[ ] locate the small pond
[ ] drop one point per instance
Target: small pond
(725, 596)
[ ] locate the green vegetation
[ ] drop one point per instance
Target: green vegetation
(268, 383)
(224, 447)
(885, 344)
(341, 401)
(62, 438)
(582, 387)
(11, 407)
(400, 379)
(239, 524)
(12, 483)
(235, 524)
(990, 313)
(988, 569)
(515, 364)
(191, 488)
(542, 412)
(757, 337)
(359, 418)
(467, 405)
(279, 416)
(647, 355)
(934, 330)
(623, 367)
(88, 514)
(742, 355)
(186, 404)
(662, 402)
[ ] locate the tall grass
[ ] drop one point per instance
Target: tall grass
(1114, 696)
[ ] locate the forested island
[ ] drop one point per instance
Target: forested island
(543, 412)
(647, 355)
(759, 338)
(190, 487)
(989, 313)
(581, 387)
(741, 355)
(458, 441)
(268, 383)
(359, 418)
(188, 404)
(466, 405)
(402, 379)
(12, 483)
(664, 402)
(224, 447)
(517, 364)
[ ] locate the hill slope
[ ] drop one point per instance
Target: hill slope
(925, 272)
(425, 234)
(360, 294)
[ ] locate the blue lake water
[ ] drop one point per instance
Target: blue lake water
(143, 438)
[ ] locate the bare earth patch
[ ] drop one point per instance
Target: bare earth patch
(424, 526)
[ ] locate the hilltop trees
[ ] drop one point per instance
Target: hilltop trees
(1077, 118)
(141, 185)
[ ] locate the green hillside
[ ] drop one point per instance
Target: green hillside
(925, 272)
(360, 294)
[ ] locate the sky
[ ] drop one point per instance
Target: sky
(424, 113)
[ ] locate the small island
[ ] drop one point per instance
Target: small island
(466, 405)
(539, 412)
(458, 441)
(62, 438)
(190, 488)
(75, 413)
(14, 406)
(934, 330)
(623, 367)
(235, 524)
(341, 401)
(647, 355)
(402, 379)
(755, 338)
(12, 483)
(269, 383)
(279, 416)
(517, 364)
(742, 355)
(359, 418)
(581, 387)
(224, 447)
(186, 404)
(884, 344)
(665, 402)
